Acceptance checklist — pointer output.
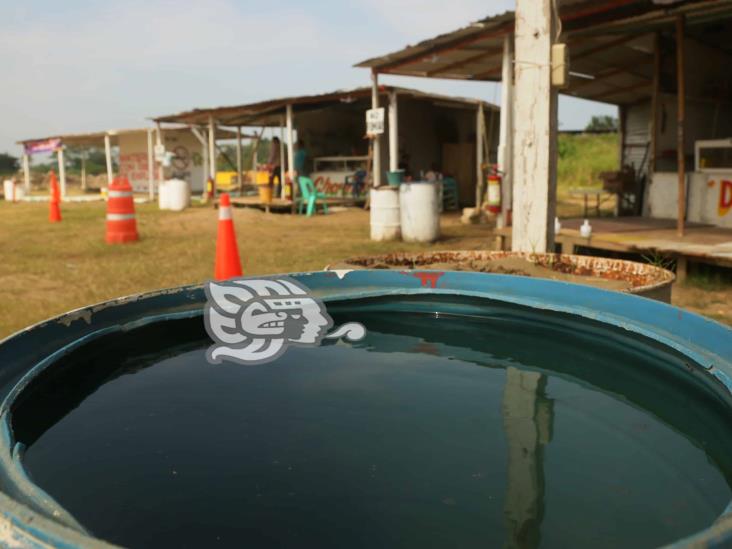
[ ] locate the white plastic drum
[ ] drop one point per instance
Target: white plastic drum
(385, 223)
(13, 192)
(163, 195)
(420, 211)
(179, 195)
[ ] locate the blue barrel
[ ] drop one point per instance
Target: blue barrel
(471, 409)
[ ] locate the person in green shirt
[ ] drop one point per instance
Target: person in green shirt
(301, 155)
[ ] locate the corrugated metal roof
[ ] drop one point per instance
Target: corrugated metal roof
(270, 112)
(610, 42)
(94, 139)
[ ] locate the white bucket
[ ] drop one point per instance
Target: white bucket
(385, 224)
(178, 195)
(420, 211)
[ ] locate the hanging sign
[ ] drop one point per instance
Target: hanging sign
(47, 145)
(159, 152)
(375, 121)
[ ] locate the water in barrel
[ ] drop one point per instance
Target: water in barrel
(516, 430)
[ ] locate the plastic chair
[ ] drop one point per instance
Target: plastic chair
(450, 194)
(309, 196)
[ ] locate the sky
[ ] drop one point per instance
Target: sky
(80, 65)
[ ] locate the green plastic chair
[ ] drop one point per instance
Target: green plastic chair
(309, 196)
(450, 194)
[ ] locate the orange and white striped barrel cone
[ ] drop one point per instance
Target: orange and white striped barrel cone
(54, 212)
(228, 264)
(121, 222)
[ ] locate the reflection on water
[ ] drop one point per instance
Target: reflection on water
(527, 419)
(432, 432)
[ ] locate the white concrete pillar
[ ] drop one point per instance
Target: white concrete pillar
(150, 166)
(108, 154)
(505, 133)
(290, 152)
(376, 170)
(159, 142)
(83, 170)
(212, 148)
(282, 158)
(393, 132)
(26, 174)
(238, 157)
(535, 130)
(61, 171)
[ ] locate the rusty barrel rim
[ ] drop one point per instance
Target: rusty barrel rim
(654, 277)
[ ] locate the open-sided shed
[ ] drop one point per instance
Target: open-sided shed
(665, 63)
(424, 130)
(136, 155)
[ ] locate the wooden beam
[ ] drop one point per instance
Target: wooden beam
(602, 47)
(654, 101)
(608, 73)
(680, 141)
(466, 61)
(449, 46)
(619, 91)
(495, 69)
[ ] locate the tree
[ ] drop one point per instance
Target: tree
(8, 163)
(602, 124)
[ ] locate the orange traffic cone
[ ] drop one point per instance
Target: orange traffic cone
(121, 222)
(228, 264)
(54, 213)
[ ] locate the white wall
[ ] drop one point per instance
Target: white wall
(709, 198)
(187, 163)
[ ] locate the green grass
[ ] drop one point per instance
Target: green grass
(582, 157)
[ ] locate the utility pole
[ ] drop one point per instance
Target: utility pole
(535, 129)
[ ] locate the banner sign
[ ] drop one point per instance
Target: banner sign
(48, 145)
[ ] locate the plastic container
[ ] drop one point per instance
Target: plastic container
(178, 195)
(395, 178)
(265, 192)
(163, 196)
(385, 220)
(419, 203)
(13, 191)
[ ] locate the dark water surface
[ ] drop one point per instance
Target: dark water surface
(477, 433)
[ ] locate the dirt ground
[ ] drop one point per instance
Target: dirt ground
(47, 269)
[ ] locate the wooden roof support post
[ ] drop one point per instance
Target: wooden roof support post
(26, 173)
(505, 132)
(654, 102)
(376, 171)
(680, 136)
(61, 170)
(108, 153)
(238, 157)
(290, 153)
(150, 166)
(535, 130)
(393, 132)
(479, 183)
